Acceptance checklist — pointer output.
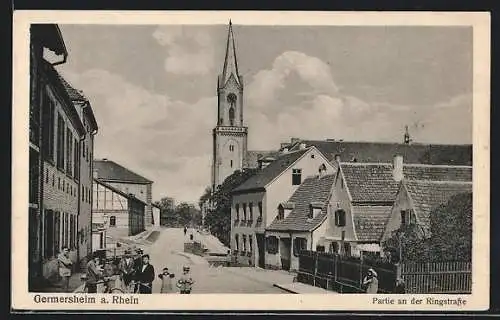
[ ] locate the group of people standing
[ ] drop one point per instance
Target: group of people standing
(137, 269)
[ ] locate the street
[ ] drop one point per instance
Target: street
(165, 253)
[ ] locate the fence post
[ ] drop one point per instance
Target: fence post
(361, 270)
(316, 258)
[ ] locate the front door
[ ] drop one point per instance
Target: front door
(261, 249)
(285, 253)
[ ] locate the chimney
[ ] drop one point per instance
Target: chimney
(285, 150)
(302, 146)
(397, 168)
(294, 140)
(321, 171)
(104, 159)
(337, 158)
(283, 145)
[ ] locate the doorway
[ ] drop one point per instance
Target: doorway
(261, 249)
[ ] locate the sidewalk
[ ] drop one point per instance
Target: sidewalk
(301, 288)
(210, 242)
(262, 275)
(194, 259)
(74, 283)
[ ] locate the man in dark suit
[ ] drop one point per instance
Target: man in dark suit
(127, 267)
(145, 276)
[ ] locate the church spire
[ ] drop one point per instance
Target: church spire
(230, 63)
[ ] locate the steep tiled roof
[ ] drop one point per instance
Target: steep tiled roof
(74, 94)
(254, 156)
(116, 190)
(383, 152)
(108, 170)
(438, 173)
(370, 221)
(427, 195)
(267, 174)
(311, 190)
(369, 182)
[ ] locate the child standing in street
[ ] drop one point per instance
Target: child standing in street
(185, 283)
(167, 279)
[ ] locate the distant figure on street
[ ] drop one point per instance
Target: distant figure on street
(167, 279)
(185, 230)
(371, 282)
(185, 283)
(145, 276)
(127, 267)
(65, 265)
(93, 274)
(191, 237)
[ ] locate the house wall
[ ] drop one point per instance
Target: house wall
(273, 261)
(249, 227)
(402, 202)
(142, 192)
(121, 229)
(281, 189)
(59, 216)
(86, 152)
(340, 200)
(156, 216)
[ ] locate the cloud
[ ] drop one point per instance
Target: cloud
(170, 141)
(189, 50)
(298, 97)
(165, 140)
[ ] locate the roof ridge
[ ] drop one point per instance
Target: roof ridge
(438, 181)
(427, 165)
(123, 167)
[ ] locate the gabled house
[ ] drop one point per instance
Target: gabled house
(120, 214)
(416, 199)
(300, 223)
(366, 192)
(128, 182)
(255, 202)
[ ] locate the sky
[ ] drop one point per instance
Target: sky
(153, 89)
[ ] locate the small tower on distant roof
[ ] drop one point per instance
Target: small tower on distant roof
(407, 138)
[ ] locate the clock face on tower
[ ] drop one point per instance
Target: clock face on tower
(231, 98)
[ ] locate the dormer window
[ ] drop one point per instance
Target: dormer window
(314, 209)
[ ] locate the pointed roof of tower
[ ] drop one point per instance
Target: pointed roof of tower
(230, 62)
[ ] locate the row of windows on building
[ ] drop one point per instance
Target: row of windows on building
(244, 243)
(300, 244)
(60, 229)
(250, 211)
(66, 152)
(63, 185)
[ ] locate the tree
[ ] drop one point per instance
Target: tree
(187, 215)
(451, 229)
(167, 211)
(450, 234)
(407, 243)
(218, 218)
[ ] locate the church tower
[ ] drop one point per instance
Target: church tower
(230, 135)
